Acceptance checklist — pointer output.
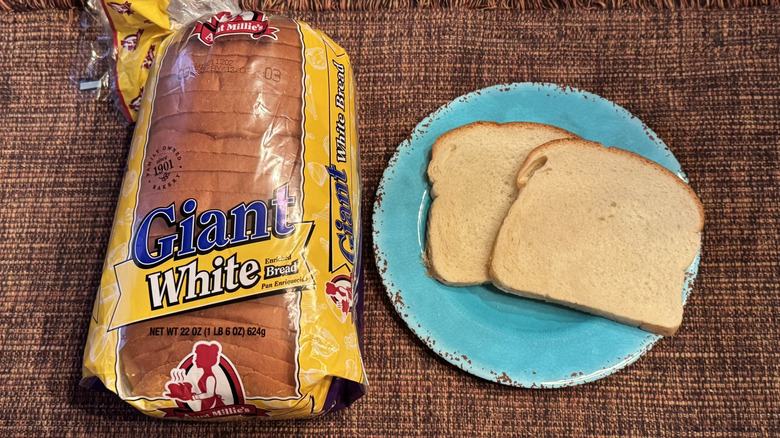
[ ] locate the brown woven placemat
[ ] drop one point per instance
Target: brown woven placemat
(372, 5)
(708, 83)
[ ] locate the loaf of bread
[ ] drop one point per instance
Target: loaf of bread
(602, 230)
(232, 135)
(233, 283)
(473, 173)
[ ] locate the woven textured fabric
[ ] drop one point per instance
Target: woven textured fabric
(370, 5)
(708, 83)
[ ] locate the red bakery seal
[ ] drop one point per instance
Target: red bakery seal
(130, 42)
(125, 8)
(206, 385)
(339, 292)
(225, 23)
(135, 104)
(148, 59)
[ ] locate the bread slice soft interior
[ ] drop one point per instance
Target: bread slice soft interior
(473, 173)
(602, 230)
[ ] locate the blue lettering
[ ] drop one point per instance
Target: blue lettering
(239, 213)
(164, 245)
(346, 234)
(281, 227)
(188, 228)
(214, 234)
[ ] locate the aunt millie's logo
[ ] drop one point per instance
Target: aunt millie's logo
(339, 290)
(206, 385)
(224, 23)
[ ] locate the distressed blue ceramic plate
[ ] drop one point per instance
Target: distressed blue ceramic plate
(493, 335)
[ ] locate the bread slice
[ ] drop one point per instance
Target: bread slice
(602, 230)
(473, 171)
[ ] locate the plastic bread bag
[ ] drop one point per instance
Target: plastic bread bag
(113, 66)
(232, 284)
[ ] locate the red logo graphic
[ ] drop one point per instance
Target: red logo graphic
(135, 104)
(149, 58)
(130, 42)
(339, 290)
(122, 9)
(224, 23)
(206, 385)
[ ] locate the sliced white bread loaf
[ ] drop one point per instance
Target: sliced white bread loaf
(602, 230)
(473, 173)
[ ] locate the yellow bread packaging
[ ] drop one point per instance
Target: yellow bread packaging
(232, 284)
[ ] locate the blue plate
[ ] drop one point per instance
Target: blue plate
(496, 336)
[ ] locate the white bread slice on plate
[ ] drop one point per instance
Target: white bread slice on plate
(473, 172)
(602, 230)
